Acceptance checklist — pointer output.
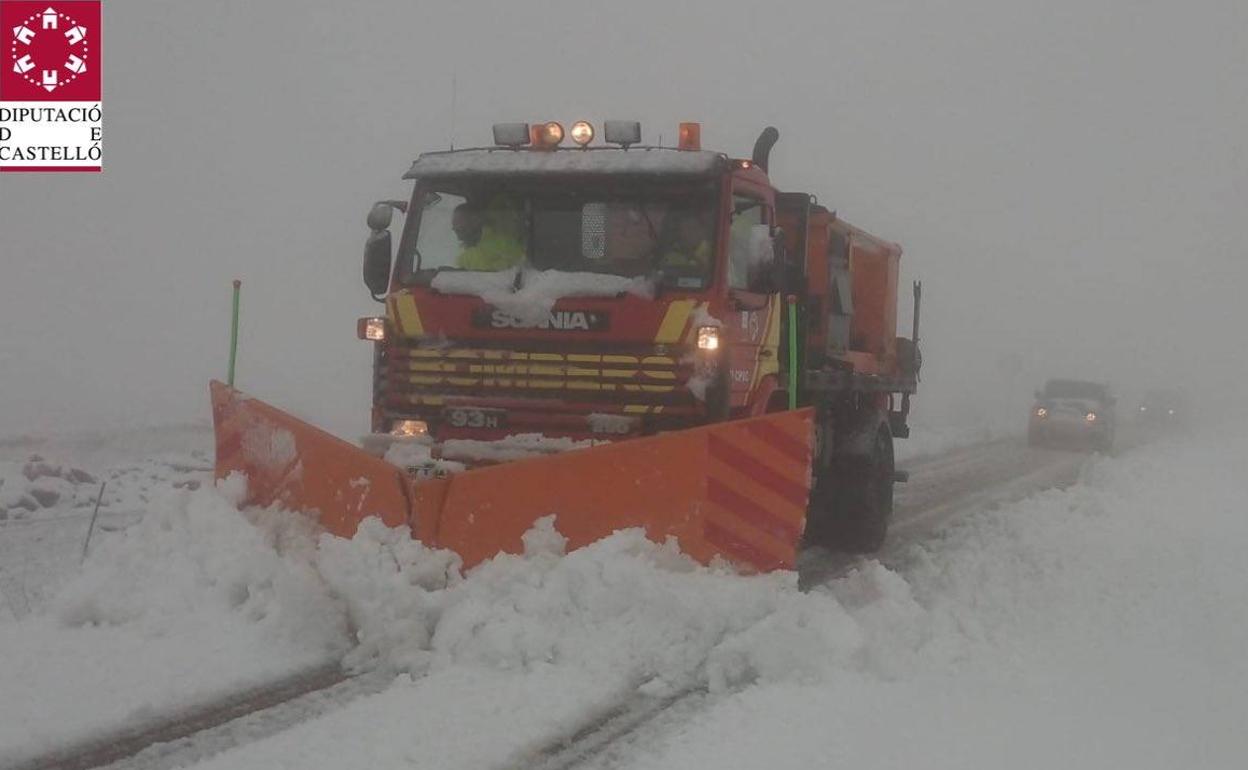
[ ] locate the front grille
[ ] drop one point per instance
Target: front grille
(639, 377)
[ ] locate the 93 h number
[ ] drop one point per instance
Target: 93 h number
(474, 418)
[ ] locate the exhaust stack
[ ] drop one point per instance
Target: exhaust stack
(763, 145)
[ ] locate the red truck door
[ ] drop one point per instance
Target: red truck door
(753, 325)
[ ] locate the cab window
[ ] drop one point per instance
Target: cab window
(749, 245)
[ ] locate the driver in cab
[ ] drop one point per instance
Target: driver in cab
(492, 237)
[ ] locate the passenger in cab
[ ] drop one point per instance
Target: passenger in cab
(690, 242)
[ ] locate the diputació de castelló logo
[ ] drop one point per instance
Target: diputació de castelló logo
(51, 113)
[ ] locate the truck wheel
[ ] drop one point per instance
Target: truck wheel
(864, 497)
(820, 513)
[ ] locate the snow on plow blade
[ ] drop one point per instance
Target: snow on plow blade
(736, 490)
(292, 464)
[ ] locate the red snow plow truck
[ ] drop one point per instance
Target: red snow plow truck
(616, 335)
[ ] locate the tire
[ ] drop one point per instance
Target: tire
(864, 503)
(820, 513)
(852, 502)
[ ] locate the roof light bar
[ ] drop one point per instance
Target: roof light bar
(582, 132)
(622, 132)
(548, 135)
(690, 136)
(511, 134)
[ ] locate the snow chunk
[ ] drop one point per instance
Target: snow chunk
(601, 422)
(37, 486)
(266, 445)
(514, 447)
(417, 452)
(701, 316)
(543, 538)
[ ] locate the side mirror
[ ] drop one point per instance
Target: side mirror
(379, 216)
(377, 262)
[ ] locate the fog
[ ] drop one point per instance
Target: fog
(1069, 179)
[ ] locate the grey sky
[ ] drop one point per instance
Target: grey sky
(1067, 177)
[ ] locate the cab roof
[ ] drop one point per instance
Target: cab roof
(635, 161)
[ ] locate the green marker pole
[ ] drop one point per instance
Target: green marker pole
(238, 285)
(793, 367)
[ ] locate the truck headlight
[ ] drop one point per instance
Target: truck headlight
(1090, 417)
(409, 428)
(373, 329)
(708, 338)
(1042, 412)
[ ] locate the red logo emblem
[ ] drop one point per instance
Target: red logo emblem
(53, 51)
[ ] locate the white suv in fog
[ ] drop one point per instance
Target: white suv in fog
(1072, 412)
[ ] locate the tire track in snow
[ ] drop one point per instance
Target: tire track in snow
(197, 733)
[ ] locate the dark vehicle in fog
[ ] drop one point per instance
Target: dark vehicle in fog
(1072, 413)
(1163, 407)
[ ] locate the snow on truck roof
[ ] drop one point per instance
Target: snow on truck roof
(642, 161)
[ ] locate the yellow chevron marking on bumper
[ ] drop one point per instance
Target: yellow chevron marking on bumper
(674, 321)
(408, 315)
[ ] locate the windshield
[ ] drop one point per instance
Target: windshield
(666, 231)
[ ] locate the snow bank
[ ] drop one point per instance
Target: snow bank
(539, 289)
(192, 602)
(198, 599)
(625, 609)
(527, 648)
(1103, 626)
(36, 485)
(1098, 627)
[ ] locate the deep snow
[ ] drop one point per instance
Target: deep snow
(1102, 626)
(1099, 626)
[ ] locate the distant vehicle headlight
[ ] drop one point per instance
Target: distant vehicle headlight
(1143, 409)
(1170, 412)
(1042, 412)
(1090, 417)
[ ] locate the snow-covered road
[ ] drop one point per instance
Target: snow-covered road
(494, 668)
(1100, 626)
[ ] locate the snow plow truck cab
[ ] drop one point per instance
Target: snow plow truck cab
(648, 337)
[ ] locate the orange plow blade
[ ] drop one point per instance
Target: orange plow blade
(292, 464)
(736, 490)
